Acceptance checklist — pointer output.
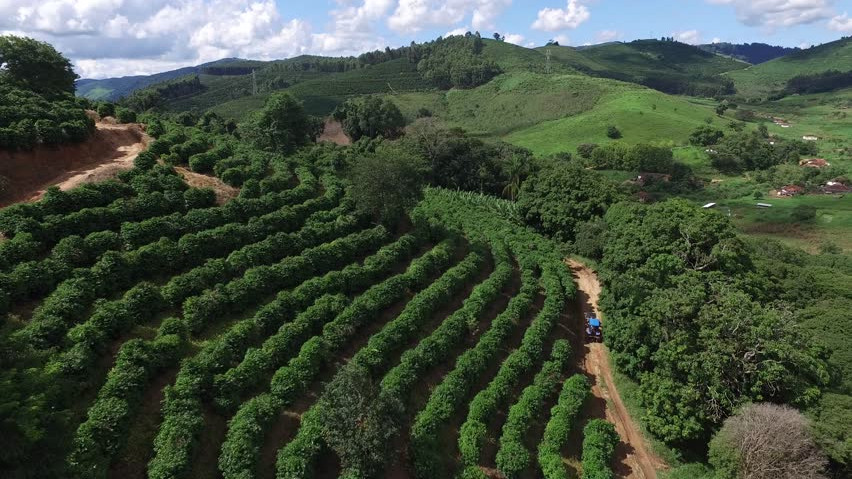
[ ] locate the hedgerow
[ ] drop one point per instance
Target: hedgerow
(513, 457)
(517, 365)
(248, 426)
(105, 430)
(562, 418)
(599, 441)
(183, 414)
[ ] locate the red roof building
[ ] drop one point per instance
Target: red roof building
(814, 163)
(791, 190)
(834, 188)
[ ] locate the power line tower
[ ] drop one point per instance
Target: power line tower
(253, 82)
(547, 65)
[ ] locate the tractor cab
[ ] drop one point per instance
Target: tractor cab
(593, 328)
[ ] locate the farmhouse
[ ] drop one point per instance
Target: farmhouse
(814, 163)
(791, 190)
(835, 188)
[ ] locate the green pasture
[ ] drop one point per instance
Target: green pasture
(642, 115)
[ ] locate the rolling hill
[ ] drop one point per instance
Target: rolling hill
(754, 53)
(672, 67)
(764, 79)
(113, 89)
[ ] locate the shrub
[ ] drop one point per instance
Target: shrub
(613, 132)
(599, 441)
(585, 150)
(124, 115)
(764, 441)
(562, 417)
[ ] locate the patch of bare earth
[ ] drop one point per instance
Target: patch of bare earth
(224, 192)
(332, 132)
(109, 151)
(634, 458)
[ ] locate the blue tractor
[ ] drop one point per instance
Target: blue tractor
(593, 329)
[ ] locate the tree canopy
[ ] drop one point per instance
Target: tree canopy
(557, 200)
(370, 117)
(36, 66)
(388, 181)
(280, 126)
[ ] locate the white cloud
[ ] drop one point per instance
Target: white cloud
(460, 31)
(604, 36)
(841, 23)
(124, 37)
(515, 38)
(555, 19)
(417, 15)
(779, 13)
(716, 40)
(562, 39)
(692, 37)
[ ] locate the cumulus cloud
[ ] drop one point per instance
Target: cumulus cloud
(841, 23)
(515, 38)
(417, 15)
(692, 37)
(779, 13)
(126, 37)
(562, 39)
(604, 36)
(555, 19)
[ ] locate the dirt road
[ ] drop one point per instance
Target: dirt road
(110, 150)
(635, 459)
(333, 132)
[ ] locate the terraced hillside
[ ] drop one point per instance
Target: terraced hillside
(176, 338)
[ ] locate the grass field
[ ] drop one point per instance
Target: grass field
(832, 223)
(642, 115)
(761, 80)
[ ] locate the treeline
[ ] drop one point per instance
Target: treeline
(155, 95)
(753, 53)
(227, 70)
(819, 82)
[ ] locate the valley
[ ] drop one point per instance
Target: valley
(395, 264)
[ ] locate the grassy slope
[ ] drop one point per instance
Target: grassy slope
(642, 59)
(642, 115)
(760, 80)
(509, 102)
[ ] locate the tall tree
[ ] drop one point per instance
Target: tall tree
(281, 126)
(389, 181)
(36, 66)
(370, 117)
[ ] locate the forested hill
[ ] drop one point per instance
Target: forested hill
(771, 77)
(112, 89)
(754, 53)
(668, 66)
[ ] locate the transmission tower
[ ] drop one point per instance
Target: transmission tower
(253, 82)
(547, 65)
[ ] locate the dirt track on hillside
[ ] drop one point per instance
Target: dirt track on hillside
(109, 151)
(634, 457)
(333, 132)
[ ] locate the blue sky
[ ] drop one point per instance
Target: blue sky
(121, 37)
